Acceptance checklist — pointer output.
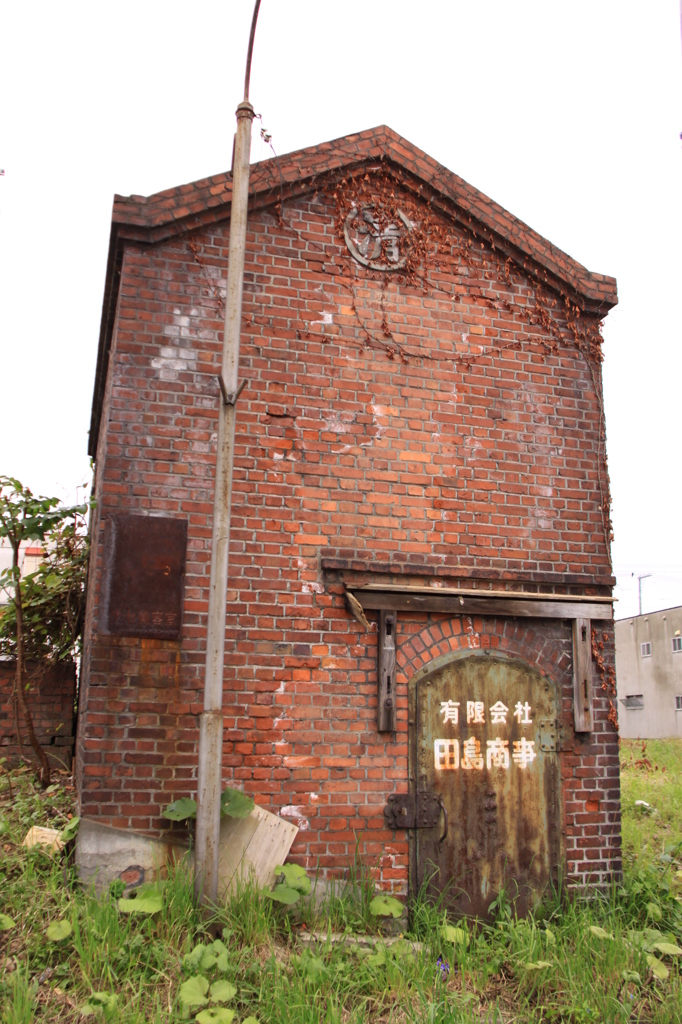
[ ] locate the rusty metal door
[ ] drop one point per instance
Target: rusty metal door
(484, 742)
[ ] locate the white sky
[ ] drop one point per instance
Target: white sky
(568, 114)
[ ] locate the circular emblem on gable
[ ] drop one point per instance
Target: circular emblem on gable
(377, 242)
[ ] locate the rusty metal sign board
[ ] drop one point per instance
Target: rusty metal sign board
(484, 743)
(144, 568)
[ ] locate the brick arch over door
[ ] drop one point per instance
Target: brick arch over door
(548, 651)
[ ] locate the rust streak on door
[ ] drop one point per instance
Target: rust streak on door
(484, 741)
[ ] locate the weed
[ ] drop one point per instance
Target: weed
(611, 959)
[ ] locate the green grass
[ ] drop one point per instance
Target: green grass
(650, 771)
(495, 972)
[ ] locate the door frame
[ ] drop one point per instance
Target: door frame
(433, 668)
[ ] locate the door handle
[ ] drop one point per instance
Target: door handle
(445, 816)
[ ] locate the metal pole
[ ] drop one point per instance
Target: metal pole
(639, 582)
(211, 719)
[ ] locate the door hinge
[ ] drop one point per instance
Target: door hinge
(548, 734)
(408, 810)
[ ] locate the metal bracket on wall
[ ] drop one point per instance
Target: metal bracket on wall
(230, 397)
(386, 698)
(582, 675)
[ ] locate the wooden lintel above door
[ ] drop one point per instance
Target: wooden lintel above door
(376, 597)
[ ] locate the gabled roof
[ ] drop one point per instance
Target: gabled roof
(152, 219)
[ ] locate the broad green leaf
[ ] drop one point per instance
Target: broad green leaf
(549, 936)
(59, 930)
(101, 998)
(600, 933)
(646, 939)
(6, 923)
(103, 1003)
(222, 991)
(208, 960)
(222, 963)
(386, 906)
(218, 947)
(141, 905)
(236, 804)
(69, 831)
(632, 976)
(312, 966)
(193, 992)
(250, 1020)
(668, 948)
(539, 965)
(654, 911)
(452, 934)
(215, 1015)
(402, 948)
(180, 810)
(193, 959)
(151, 888)
(378, 958)
(295, 877)
(658, 969)
(283, 894)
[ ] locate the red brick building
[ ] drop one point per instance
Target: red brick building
(420, 474)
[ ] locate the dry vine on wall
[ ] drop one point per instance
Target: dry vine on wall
(469, 260)
(607, 674)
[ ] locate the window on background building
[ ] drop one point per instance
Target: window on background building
(646, 649)
(677, 644)
(678, 703)
(634, 701)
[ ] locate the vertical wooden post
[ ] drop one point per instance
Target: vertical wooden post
(386, 701)
(582, 675)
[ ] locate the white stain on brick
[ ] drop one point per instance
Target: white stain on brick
(327, 318)
(337, 422)
(297, 814)
(175, 359)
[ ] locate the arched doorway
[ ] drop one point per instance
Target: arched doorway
(483, 737)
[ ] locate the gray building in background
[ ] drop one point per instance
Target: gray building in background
(649, 674)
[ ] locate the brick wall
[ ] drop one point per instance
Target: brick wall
(50, 699)
(477, 458)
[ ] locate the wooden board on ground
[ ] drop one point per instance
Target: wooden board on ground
(47, 837)
(252, 847)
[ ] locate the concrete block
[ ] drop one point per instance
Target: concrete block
(104, 854)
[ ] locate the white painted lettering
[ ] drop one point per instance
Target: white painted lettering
(497, 754)
(522, 713)
(523, 752)
(449, 709)
(471, 754)
(476, 712)
(446, 754)
(498, 713)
